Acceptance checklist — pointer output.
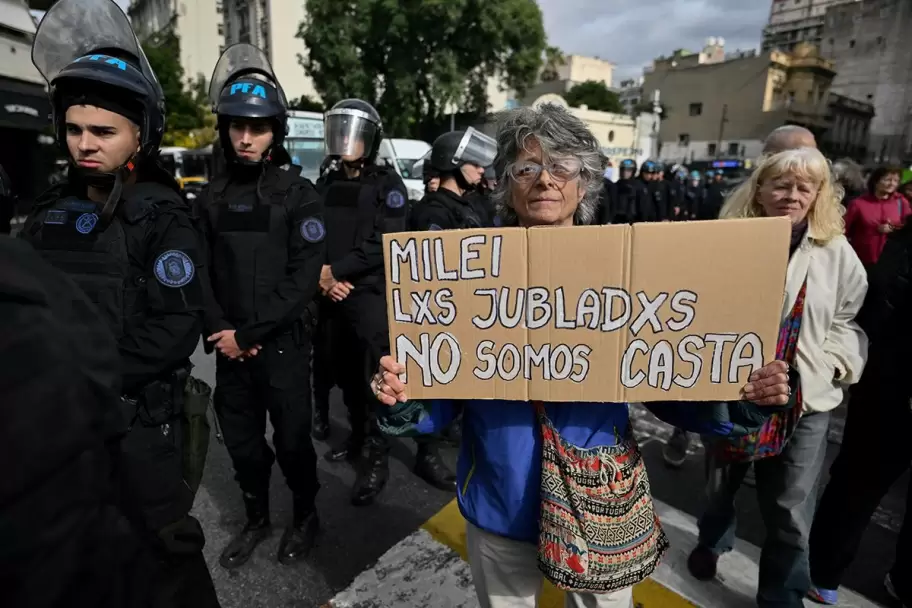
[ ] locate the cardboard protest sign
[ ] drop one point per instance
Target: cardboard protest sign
(665, 311)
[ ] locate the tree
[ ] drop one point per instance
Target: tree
(305, 104)
(417, 61)
(554, 58)
(595, 96)
(184, 113)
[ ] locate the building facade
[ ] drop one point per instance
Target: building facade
(575, 70)
(197, 24)
(872, 51)
(272, 25)
(726, 109)
(631, 94)
(28, 149)
(794, 21)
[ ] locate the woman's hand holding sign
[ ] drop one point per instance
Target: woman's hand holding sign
(768, 386)
(386, 385)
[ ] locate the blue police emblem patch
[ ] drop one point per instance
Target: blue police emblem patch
(174, 268)
(395, 199)
(312, 230)
(56, 216)
(497, 221)
(86, 223)
(434, 227)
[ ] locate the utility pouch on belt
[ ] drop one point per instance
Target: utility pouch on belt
(304, 328)
(161, 401)
(195, 444)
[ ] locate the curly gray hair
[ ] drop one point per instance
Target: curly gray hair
(559, 133)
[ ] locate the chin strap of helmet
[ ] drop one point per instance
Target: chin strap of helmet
(115, 193)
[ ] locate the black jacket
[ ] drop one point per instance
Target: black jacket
(62, 541)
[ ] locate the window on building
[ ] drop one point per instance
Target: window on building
(696, 109)
(684, 139)
(221, 29)
(851, 44)
(711, 149)
(733, 148)
(610, 136)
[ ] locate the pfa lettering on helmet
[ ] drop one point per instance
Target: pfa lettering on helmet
(248, 88)
(174, 268)
(106, 59)
(85, 223)
(395, 199)
(312, 230)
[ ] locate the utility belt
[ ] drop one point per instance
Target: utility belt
(158, 403)
(303, 329)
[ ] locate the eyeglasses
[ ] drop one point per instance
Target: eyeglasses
(561, 170)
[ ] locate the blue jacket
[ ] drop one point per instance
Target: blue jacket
(499, 468)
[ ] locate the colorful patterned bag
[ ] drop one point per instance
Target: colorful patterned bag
(772, 437)
(598, 528)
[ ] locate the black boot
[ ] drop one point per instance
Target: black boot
(256, 531)
(431, 469)
(350, 450)
(373, 473)
(299, 537)
(320, 428)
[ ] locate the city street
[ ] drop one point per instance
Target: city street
(353, 539)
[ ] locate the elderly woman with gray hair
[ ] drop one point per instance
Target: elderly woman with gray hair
(559, 490)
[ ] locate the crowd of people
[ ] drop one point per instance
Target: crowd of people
(115, 278)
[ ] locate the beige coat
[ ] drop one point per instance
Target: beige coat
(832, 348)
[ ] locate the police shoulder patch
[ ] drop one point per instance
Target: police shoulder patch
(85, 223)
(312, 230)
(498, 222)
(395, 199)
(174, 268)
(434, 227)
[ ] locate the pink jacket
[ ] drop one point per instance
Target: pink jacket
(863, 219)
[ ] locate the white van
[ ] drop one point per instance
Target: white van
(402, 154)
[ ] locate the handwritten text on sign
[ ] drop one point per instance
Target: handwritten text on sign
(566, 314)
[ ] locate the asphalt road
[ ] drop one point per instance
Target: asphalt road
(353, 538)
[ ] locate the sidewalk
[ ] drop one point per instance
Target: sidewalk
(427, 570)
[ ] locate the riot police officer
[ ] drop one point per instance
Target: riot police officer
(459, 158)
(715, 195)
(633, 201)
(694, 196)
(658, 190)
(120, 229)
(264, 224)
(363, 201)
(677, 187)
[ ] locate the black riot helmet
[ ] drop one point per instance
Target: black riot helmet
(353, 129)
(451, 151)
(89, 55)
(244, 85)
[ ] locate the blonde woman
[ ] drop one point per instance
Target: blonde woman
(819, 338)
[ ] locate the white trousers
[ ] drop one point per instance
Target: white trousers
(506, 575)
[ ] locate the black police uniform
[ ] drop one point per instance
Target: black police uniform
(608, 208)
(137, 256)
(264, 228)
(676, 199)
(7, 202)
(634, 204)
(714, 200)
(658, 192)
(694, 200)
(64, 540)
(358, 211)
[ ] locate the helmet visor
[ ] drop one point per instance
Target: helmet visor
(237, 60)
(349, 133)
(72, 29)
(476, 148)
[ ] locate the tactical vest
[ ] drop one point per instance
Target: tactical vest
(350, 212)
(68, 234)
(249, 245)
